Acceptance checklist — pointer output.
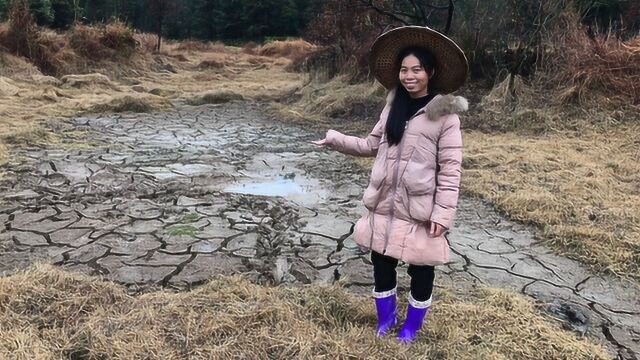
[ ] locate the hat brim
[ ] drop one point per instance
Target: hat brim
(451, 63)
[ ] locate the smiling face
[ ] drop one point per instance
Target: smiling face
(413, 76)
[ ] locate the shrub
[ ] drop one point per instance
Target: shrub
(119, 37)
(103, 42)
(85, 40)
(603, 64)
(348, 28)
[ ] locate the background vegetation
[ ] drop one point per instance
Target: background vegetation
(201, 19)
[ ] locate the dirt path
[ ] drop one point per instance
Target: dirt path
(173, 198)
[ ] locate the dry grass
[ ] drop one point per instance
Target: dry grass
(215, 97)
(129, 103)
(27, 97)
(194, 46)
(82, 48)
(583, 66)
(583, 191)
(46, 313)
(16, 67)
(146, 41)
(570, 170)
(290, 49)
(318, 101)
(211, 64)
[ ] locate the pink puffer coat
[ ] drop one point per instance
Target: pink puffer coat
(411, 184)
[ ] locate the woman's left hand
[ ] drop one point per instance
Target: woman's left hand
(436, 229)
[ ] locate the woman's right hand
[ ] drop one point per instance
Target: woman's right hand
(320, 143)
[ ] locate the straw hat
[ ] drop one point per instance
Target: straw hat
(451, 64)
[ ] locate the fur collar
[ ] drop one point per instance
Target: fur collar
(440, 105)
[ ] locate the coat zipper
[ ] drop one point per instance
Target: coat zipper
(394, 183)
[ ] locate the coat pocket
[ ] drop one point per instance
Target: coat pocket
(421, 249)
(419, 175)
(420, 207)
(363, 232)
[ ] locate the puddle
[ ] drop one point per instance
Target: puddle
(278, 175)
(300, 190)
(282, 188)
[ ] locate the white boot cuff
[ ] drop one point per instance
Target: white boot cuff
(383, 294)
(419, 304)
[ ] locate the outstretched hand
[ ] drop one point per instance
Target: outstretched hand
(436, 229)
(321, 142)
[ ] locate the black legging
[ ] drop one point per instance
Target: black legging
(384, 275)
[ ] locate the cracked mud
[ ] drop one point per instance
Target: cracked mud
(171, 199)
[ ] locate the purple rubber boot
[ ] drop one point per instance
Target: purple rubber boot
(386, 309)
(416, 311)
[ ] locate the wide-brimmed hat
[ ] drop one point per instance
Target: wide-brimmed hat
(451, 63)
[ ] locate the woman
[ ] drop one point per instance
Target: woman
(413, 191)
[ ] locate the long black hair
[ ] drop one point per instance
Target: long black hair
(398, 115)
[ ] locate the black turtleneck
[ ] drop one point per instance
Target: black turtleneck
(416, 104)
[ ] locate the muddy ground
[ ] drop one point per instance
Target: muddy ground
(170, 199)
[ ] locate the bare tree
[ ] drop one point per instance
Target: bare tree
(412, 12)
(159, 10)
(76, 10)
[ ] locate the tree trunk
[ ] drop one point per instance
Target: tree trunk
(159, 30)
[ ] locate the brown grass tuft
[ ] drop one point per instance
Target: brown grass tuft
(196, 46)
(130, 104)
(179, 57)
(23, 38)
(58, 54)
(111, 41)
(147, 42)
(211, 64)
(22, 33)
(47, 313)
(289, 49)
(215, 97)
(604, 64)
(250, 48)
(119, 37)
(319, 100)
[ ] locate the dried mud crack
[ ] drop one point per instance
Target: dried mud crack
(170, 199)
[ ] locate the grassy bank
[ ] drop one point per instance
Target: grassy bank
(582, 191)
(46, 313)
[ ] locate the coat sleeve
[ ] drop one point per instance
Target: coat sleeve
(448, 178)
(353, 145)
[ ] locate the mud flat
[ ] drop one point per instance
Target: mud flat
(170, 199)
